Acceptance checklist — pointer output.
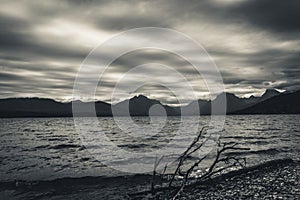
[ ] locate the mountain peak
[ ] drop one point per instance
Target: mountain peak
(270, 93)
(140, 96)
(228, 95)
(141, 99)
(272, 90)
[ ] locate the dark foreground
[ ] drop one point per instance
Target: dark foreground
(277, 179)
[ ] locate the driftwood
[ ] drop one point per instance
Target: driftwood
(220, 164)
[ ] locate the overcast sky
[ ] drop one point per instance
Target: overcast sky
(254, 43)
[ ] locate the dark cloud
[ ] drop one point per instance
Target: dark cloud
(17, 42)
(144, 56)
(9, 77)
(255, 43)
(11, 36)
(275, 16)
(118, 23)
(293, 73)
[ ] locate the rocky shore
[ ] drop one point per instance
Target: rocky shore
(278, 180)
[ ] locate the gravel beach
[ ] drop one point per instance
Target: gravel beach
(278, 181)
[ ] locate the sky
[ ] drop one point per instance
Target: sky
(254, 43)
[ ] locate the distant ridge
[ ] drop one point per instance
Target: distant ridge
(140, 106)
(194, 107)
(271, 102)
(287, 103)
(233, 103)
(34, 107)
(269, 93)
(42, 107)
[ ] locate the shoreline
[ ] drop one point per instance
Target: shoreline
(273, 179)
(276, 179)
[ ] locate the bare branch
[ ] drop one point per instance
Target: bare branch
(220, 164)
(185, 154)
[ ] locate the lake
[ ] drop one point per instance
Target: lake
(50, 148)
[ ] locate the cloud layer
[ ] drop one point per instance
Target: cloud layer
(255, 43)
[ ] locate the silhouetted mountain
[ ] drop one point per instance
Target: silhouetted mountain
(287, 103)
(271, 102)
(89, 108)
(193, 108)
(267, 94)
(233, 103)
(38, 107)
(103, 109)
(33, 107)
(252, 100)
(140, 106)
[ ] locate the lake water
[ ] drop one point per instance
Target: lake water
(50, 148)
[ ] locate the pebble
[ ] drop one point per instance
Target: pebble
(278, 183)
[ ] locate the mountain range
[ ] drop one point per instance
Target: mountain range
(271, 102)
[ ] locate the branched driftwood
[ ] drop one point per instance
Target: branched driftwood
(194, 146)
(188, 172)
(228, 162)
(157, 161)
(220, 164)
